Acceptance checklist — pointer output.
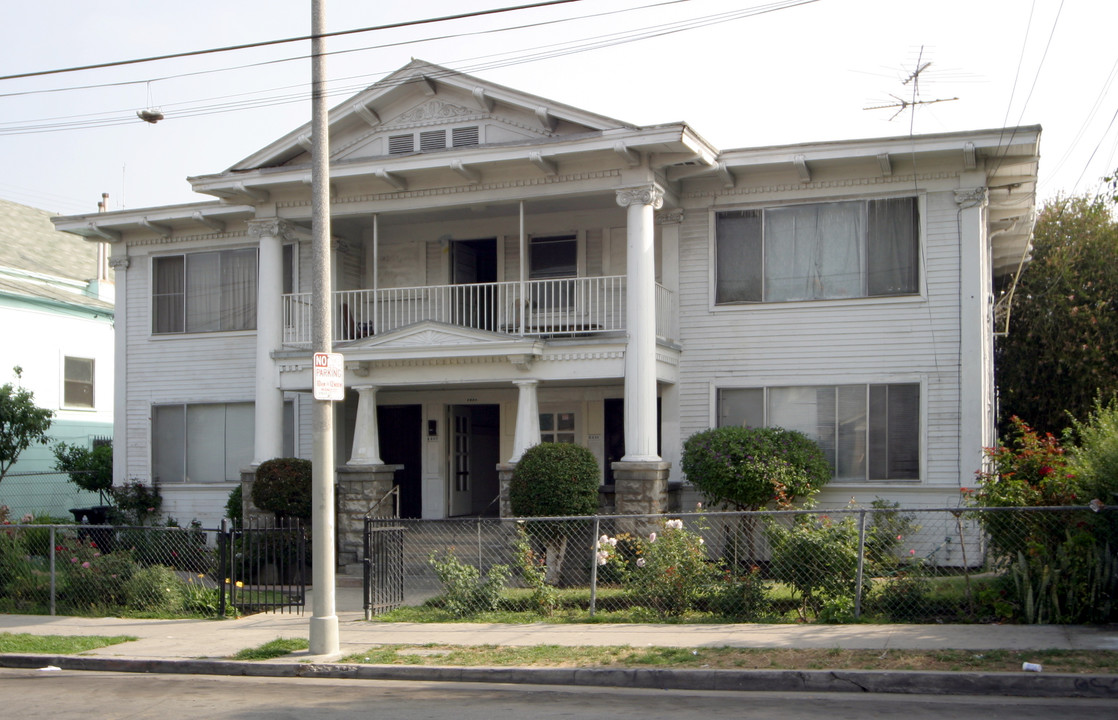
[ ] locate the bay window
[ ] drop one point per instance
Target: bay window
(820, 251)
(867, 432)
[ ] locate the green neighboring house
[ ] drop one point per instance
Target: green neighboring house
(56, 311)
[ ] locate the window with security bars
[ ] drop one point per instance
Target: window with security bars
(867, 432)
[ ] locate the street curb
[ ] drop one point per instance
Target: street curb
(855, 681)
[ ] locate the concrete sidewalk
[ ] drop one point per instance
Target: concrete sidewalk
(196, 646)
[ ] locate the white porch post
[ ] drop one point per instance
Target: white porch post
(120, 262)
(527, 419)
(640, 354)
(366, 434)
(976, 364)
(268, 441)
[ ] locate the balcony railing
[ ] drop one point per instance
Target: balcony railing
(561, 307)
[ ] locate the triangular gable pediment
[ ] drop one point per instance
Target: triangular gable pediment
(425, 98)
(429, 339)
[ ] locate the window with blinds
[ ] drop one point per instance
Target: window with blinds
(867, 432)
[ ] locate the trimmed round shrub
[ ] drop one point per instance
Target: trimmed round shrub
(555, 479)
(750, 468)
(283, 487)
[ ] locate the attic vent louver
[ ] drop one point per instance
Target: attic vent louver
(464, 136)
(432, 140)
(400, 144)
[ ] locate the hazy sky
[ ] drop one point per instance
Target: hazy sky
(802, 72)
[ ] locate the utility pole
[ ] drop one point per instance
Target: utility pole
(324, 620)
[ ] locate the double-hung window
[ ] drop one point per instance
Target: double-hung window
(820, 251)
(204, 292)
(78, 378)
(867, 432)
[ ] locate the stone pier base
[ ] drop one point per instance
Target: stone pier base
(504, 476)
(360, 487)
(641, 488)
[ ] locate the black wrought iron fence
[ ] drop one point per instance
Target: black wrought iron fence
(881, 563)
(264, 565)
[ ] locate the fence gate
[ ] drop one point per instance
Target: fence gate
(384, 568)
(264, 564)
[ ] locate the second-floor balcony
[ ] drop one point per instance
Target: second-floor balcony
(568, 307)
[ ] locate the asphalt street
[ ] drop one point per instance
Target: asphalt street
(36, 693)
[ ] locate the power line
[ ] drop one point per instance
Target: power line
(124, 83)
(301, 38)
(471, 65)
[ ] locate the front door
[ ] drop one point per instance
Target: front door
(461, 492)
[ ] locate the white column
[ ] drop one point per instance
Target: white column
(366, 434)
(640, 354)
(527, 419)
(976, 368)
(268, 442)
(120, 264)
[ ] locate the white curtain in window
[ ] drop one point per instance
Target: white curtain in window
(203, 292)
(238, 290)
(814, 252)
(168, 294)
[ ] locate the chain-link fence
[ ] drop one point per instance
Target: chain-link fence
(44, 495)
(881, 564)
(103, 570)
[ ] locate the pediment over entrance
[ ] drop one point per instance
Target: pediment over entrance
(429, 339)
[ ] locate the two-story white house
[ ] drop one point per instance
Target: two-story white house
(508, 269)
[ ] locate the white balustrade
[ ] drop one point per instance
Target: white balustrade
(565, 306)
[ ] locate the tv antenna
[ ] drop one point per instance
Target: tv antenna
(913, 79)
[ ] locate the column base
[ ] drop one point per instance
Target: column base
(360, 487)
(504, 477)
(640, 488)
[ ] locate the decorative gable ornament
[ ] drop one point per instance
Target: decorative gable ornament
(433, 111)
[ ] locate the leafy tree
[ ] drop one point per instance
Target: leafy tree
(1061, 351)
(90, 470)
(22, 423)
(750, 468)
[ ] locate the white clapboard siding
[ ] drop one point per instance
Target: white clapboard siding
(203, 367)
(830, 342)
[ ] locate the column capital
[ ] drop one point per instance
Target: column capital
(646, 195)
(271, 227)
(526, 382)
(971, 197)
(670, 217)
